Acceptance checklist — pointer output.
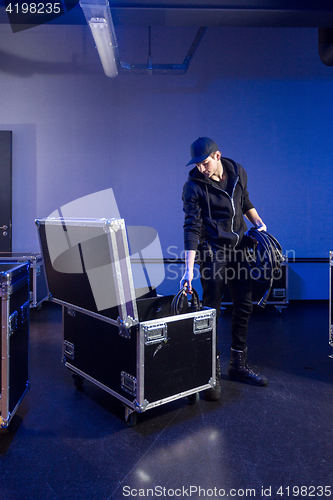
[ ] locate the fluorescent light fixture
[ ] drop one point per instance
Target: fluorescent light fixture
(101, 33)
(98, 16)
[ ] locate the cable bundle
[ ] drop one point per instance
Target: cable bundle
(177, 304)
(264, 258)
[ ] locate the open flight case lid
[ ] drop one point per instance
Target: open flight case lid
(87, 267)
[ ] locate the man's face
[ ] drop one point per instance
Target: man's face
(210, 166)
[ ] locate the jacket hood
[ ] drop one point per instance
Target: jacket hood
(230, 166)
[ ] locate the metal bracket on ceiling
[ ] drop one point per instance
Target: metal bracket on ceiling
(165, 69)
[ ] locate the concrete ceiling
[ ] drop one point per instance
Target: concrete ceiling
(241, 13)
(208, 13)
(288, 13)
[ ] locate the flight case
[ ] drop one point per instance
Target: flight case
(38, 292)
(279, 294)
(330, 338)
(134, 348)
(14, 376)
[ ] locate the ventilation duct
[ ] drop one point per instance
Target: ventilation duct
(325, 45)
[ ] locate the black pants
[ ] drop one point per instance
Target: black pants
(229, 269)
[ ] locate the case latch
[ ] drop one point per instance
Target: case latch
(12, 323)
(25, 311)
(155, 334)
(202, 323)
(128, 383)
(68, 349)
(279, 293)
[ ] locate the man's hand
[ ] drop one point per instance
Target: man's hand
(187, 280)
(261, 226)
(253, 216)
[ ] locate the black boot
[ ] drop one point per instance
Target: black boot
(214, 393)
(239, 370)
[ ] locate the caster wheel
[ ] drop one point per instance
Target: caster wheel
(78, 380)
(193, 398)
(131, 419)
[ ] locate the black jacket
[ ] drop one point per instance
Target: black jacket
(213, 214)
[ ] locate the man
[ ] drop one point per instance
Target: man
(215, 199)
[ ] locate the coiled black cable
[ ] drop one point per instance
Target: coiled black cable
(178, 303)
(264, 257)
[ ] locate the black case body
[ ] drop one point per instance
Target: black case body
(15, 309)
(163, 357)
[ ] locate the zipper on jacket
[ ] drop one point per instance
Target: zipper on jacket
(231, 198)
(233, 207)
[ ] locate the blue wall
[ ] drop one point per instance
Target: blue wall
(261, 93)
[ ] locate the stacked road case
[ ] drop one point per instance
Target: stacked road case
(14, 373)
(38, 292)
(279, 294)
(330, 339)
(135, 349)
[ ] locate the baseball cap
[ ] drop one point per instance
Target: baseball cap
(201, 149)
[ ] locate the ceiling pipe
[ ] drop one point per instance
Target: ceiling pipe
(325, 45)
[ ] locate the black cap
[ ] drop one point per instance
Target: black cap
(201, 149)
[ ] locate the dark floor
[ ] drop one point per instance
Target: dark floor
(67, 444)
